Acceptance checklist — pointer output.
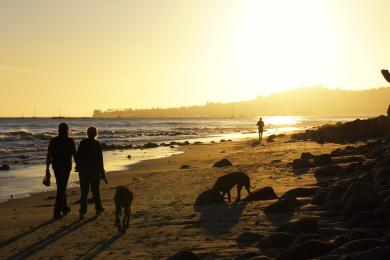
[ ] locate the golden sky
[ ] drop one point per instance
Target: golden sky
(77, 56)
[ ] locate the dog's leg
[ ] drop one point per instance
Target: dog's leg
(248, 189)
(239, 188)
(229, 197)
(128, 216)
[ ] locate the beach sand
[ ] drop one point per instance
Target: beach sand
(163, 219)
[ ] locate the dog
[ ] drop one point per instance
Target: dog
(226, 182)
(123, 199)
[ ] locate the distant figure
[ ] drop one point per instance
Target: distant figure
(386, 75)
(91, 169)
(260, 126)
(59, 154)
(388, 111)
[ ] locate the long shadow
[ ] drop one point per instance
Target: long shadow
(30, 250)
(25, 233)
(101, 246)
(218, 219)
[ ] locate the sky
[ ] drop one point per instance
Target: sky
(76, 56)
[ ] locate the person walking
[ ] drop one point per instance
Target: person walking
(91, 169)
(59, 155)
(260, 126)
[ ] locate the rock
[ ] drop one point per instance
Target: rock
(184, 167)
(329, 171)
(129, 156)
(5, 167)
(360, 202)
(222, 163)
(363, 244)
(260, 257)
(303, 225)
(285, 204)
(248, 238)
(247, 255)
(354, 188)
(277, 240)
(334, 194)
(271, 138)
(150, 145)
(377, 253)
(209, 197)
(299, 164)
(184, 255)
(266, 193)
(300, 192)
(359, 218)
(306, 250)
(307, 156)
(304, 237)
(322, 159)
(319, 197)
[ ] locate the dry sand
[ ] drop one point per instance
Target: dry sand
(163, 219)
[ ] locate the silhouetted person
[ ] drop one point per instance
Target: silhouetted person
(260, 126)
(386, 75)
(91, 169)
(388, 111)
(59, 155)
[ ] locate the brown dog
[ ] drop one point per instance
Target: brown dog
(226, 182)
(123, 199)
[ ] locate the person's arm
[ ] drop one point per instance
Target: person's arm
(101, 163)
(48, 159)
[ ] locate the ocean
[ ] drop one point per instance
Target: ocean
(24, 141)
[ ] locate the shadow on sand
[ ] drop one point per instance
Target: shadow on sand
(218, 219)
(25, 233)
(101, 246)
(41, 244)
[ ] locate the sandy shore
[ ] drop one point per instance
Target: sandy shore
(163, 219)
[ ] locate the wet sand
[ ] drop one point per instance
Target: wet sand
(163, 219)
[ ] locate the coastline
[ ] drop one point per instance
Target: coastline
(164, 220)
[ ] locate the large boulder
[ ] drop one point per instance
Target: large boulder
(306, 250)
(299, 164)
(277, 240)
(150, 145)
(209, 197)
(329, 171)
(322, 159)
(301, 192)
(363, 244)
(266, 193)
(248, 238)
(307, 156)
(354, 188)
(360, 202)
(303, 225)
(285, 204)
(222, 163)
(184, 255)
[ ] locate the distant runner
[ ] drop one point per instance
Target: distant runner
(260, 126)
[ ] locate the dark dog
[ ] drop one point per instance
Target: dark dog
(123, 199)
(226, 182)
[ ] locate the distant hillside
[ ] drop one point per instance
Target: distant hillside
(305, 101)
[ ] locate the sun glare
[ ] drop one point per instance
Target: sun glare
(282, 44)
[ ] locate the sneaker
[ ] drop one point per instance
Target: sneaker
(66, 211)
(99, 211)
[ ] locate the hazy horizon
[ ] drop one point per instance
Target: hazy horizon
(79, 56)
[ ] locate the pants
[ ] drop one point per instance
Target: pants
(260, 134)
(62, 178)
(87, 180)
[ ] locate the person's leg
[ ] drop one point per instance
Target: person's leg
(95, 186)
(84, 188)
(65, 208)
(58, 203)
